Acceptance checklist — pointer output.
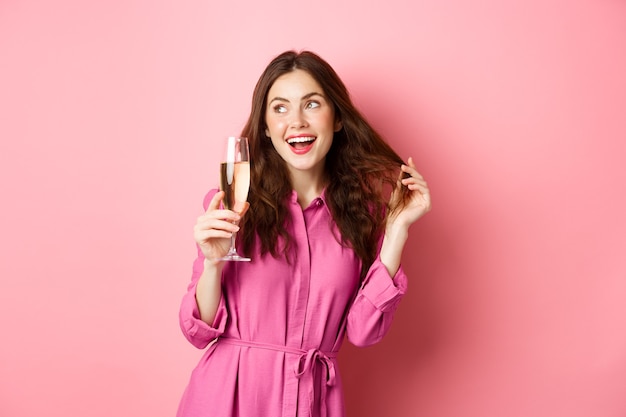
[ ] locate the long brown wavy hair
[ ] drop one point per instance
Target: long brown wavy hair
(359, 166)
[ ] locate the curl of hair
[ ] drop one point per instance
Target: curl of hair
(360, 166)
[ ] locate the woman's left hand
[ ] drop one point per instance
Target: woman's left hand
(419, 202)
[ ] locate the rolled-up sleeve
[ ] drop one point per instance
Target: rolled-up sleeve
(198, 332)
(372, 311)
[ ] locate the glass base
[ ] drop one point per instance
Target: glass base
(235, 258)
(232, 255)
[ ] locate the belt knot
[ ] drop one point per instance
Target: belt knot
(307, 361)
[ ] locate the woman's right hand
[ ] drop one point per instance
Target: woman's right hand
(214, 229)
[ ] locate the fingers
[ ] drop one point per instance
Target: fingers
(414, 176)
(207, 235)
(215, 228)
(415, 181)
(214, 221)
(415, 185)
(217, 223)
(213, 210)
(214, 204)
(211, 227)
(410, 169)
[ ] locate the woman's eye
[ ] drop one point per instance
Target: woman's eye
(312, 105)
(280, 109)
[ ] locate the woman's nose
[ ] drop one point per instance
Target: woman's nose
(298, 121)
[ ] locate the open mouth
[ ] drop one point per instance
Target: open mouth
(301, 142)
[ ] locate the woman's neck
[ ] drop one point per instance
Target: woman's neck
(308, 186)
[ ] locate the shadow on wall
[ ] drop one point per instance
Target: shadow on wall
(387, 375)
(384, 379)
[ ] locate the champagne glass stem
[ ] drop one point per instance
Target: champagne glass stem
(232, 254)
(233, 250)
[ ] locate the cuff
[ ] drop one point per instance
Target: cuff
(382, 290)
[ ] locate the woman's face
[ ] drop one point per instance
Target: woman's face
(300, 122)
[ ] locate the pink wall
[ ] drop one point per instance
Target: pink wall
(515, 113)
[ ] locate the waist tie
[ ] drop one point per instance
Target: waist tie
(304, 369)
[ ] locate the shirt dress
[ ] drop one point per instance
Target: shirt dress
(272, 348)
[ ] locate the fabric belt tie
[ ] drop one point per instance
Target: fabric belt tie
(304, 369)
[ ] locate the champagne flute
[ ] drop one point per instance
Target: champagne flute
(235, 182)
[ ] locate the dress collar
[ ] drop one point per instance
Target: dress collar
(316, 202)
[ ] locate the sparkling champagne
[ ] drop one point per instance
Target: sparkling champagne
(235, 182)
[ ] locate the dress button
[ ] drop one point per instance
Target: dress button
(319, 202)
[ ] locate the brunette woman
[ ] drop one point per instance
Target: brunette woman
(330, 206)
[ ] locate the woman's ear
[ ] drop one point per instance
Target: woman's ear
(338, 125)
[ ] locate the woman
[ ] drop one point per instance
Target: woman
(325, 243)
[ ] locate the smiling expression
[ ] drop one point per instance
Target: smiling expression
(300, 122)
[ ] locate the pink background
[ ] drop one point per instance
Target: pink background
(514, 111)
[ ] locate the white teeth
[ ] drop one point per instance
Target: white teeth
(300, 140)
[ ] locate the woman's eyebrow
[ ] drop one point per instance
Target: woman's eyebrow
(314, 93)
(306, 96)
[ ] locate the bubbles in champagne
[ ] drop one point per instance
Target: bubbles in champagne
(235, 182)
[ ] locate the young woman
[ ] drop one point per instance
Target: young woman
(330, 207)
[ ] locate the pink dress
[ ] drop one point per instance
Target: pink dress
(273, 345)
